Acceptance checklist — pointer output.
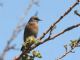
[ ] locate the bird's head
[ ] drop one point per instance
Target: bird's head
(34, 19)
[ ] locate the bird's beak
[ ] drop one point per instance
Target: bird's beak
(40, 20)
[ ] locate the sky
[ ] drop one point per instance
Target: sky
(49, 11)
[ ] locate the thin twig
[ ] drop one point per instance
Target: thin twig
(53, 25)
(61, 17)
(27, 9)
(76, 12)
(77, 42)
(50, 33)
(65, 30)
(48, 39)
(16, 31)
(65, 54)
(8, 48)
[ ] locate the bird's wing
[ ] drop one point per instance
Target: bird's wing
(30, 29)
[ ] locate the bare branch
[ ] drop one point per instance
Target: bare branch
(8, 48)
(49, 29)
(66, 48)
(48, 39)
(61, 17)
(50, 33)
(76, 12)
(16, 31)
(78, 0)
(65, 30)
(70, 51)
(77, 42)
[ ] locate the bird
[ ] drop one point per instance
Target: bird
(31, 28)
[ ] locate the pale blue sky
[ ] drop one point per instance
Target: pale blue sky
(49, 11)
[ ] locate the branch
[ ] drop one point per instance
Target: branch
(48, 39)
(74, 44)
(65, 54)
(76, 12)
(7, 48)
(53, 25)
(50, 33)
(16, 31)
(78, 0)
(28, 8)
(61, 17)
(65, 30)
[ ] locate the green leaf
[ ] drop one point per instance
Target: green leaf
(36, 42)
(36, 54)
(24, 57)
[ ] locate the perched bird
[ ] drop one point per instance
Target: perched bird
(31, 28)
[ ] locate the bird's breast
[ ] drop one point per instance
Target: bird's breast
(33, 26)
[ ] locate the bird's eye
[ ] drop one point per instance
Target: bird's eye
(36, 18)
